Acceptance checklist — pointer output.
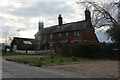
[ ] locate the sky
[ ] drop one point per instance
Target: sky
(20, 17)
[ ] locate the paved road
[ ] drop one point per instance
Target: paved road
(19, 70)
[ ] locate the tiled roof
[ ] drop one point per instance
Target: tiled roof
(79, 25)
(21, 40)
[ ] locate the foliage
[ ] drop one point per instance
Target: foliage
(91, 50)
(52, 58)
(114, 32)
(66, 50)
(74, 58)
(61, 60)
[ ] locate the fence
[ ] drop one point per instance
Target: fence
(35, 52)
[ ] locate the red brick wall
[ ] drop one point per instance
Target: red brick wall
(88, 36)
(71, 36)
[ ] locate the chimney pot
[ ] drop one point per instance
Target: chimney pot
(60, 22)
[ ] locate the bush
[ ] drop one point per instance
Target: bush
(52, 58)
(74, 58)
(61, 60)
(85, 50)
(90, 50)
(66, 50)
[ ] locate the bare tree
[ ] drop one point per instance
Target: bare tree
(102, 13)
(105, 14)
(9, 37)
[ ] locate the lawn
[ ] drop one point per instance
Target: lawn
(43, 59)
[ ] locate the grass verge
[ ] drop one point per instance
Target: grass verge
(42, 59)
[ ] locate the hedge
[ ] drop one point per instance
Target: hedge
(90, 50)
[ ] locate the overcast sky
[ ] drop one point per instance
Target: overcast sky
(21, 16)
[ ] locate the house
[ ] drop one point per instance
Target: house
(22, 45)
(53, 37)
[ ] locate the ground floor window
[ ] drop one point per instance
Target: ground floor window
(59, 45)
(76, 42)
(51, 45)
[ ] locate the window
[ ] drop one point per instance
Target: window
(51, 45)
(27, 42)
(66, 34)
(51, 36)
(59, 45)
(45, 36)
(76, 42)
(77, 33)
(60, 35)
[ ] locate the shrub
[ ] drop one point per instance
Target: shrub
(41, 58)
(85, 50)
(66, 50)
(61, 60)
(74, 58)
(90, 50)
(52, 58)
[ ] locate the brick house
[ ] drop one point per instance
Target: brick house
(53, 37)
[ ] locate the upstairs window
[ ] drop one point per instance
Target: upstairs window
(51, 36)
(76, 33)
(45, 36)
(66, 34)
(60, 35)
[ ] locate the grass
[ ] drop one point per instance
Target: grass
(9, 54)
(46, 59)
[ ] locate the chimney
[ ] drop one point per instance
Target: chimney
(87, 15)
(40, 25)
(60, 22)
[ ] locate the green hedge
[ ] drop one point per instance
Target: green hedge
(90, 50)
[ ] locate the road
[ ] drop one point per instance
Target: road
(19, 70)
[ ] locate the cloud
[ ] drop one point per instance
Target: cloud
(42, 9)
(102, 35)
(24, 15)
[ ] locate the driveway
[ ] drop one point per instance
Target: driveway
(19, 70)
(92, 69)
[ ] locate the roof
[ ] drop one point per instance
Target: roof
(19, 40)
(73, 26)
